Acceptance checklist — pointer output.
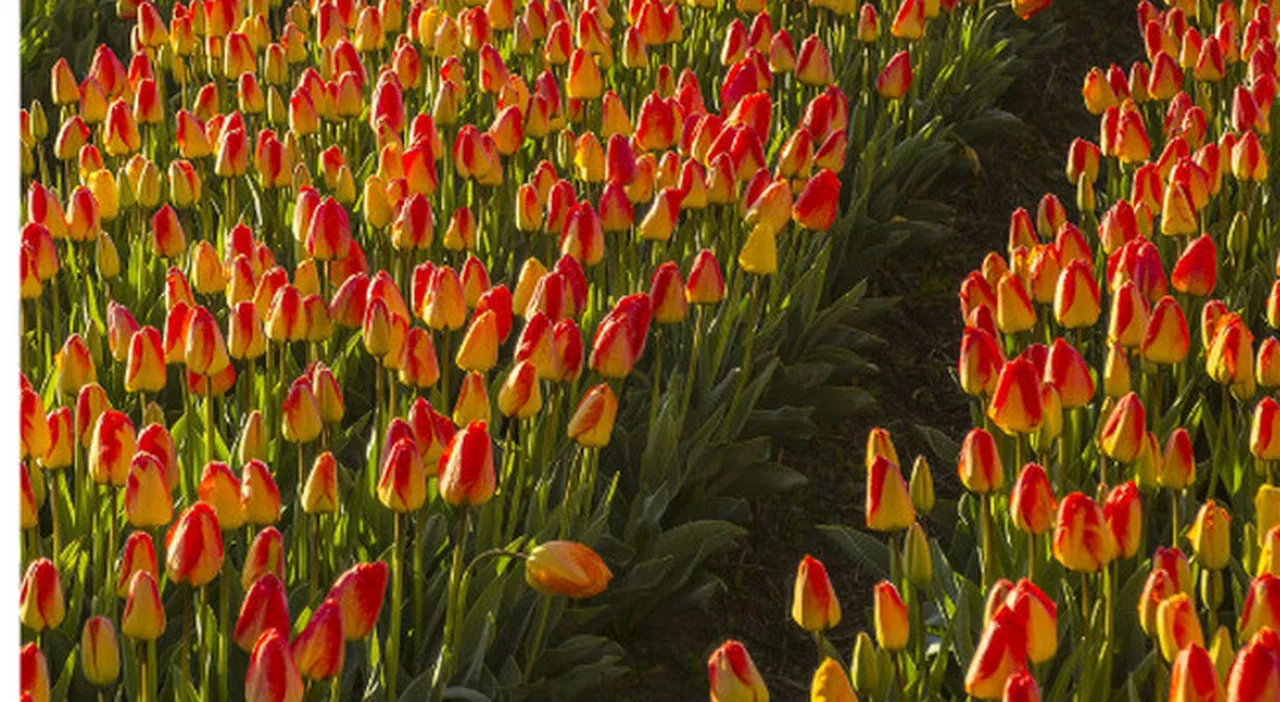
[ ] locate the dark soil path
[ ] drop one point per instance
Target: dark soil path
(915, 386)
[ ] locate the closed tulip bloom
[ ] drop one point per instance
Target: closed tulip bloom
(1249, 159)
(318, 650)
(1264, 436)
(813, 66)
(300, 413)
(479, 348)
(1125, 429)
(1123, 513)
(90, 404)
(566, 569)
(40, 597)
(33, 674)
(1266, 369)
(1261, 606)
(1196, 271)
(705, 284)
(245, 334)
(1229, 359)
(265, 609)
(1266, 507)
(74, 365)
(1014, 311)
(895, 80)
(194, 547)
(146, 495)
(880, 444)
(814, 605)
(403, 484)
(220, 489)
(145, 371)
(205, 350)
(359, 594)
(1167, 339)
(36, 432)
(111, 449)
(1032, 503)
(472, 403)
(1130, 312)
(889, 506)
(592, 422)
(143, 618)
(59, 447)
(444, 304)
(139, 555)
(892, 622)
(285, 319)
(1082, 541)
(1193, 677)
(733, 676)
(520, 395)
(1015, 404)
(1178, 467)
(272, 675)
(830, 682)
(1210, 536)
(465, 474)
(259, 495)
(817, 206)
(1000, 655)
(1177, 625)
(1159, 586)
(1076, 300)
(584, 81)
(265, 557)
(28, 510)
(1039, 617)
(979, 466)
(99, 652)
(320, 494)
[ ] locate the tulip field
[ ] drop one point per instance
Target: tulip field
(431, 349)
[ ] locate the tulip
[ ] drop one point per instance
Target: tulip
(1210, 536)
(1015, 404)
(272, 673)
(194, 547)
(814, 606)
(144, 618)
(1039, 617)
(300, 413)
(320, 494)
(733, 676)
(40, 598)
(1032, 503)
(403, 485)
(146, 496)
(895, 80)
(112, 447)
(979, 466)
(318, 649)
(259, 495)
(1125, 429)
(830, 682)
(592, 422)
(889, 506)
(465, 474)
(265, 609)
(891, 617)
(1264, 435)
(1261, 606)
(220, 489)
(33, 674)
(473, 400)
(1001, 654)
(265, 556)
(1123, 513)
(139, 556)
(359, 594)
(1197, 269)
(1082, 541)
(99, 652)
(1177, 625)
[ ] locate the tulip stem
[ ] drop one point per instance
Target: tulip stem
(750, 331)
(691, 372)
(1031, 556)
(397, 586)
(988, 542)
(224, 639)
(208, 418)
(455, 606)
(655, 380)
(335, 689)
(111, 552)
(184, 667)
(1173, 511)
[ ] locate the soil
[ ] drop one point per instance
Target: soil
(915, 386)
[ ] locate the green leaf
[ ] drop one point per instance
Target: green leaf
(864, 548)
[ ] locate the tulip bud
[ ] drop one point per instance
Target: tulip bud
(1210, 536)
(194, 547)
(592, 422)
(265, 609)
(1032, 504)
(99, 652)
(301, 420)
(814, 606)
(1177, 625)
(889, 506)
(146, 496)
(1123, 513)
(918, 558)
(259, 495)
(465, 474)
(979, 467)
(143, 618)
(1082, 542)
(733, 676)
(318, 649)
(892, 623)
(1001, 653)
(41, 605)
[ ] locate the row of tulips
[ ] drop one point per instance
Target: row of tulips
(1127, 436)
(196, 298)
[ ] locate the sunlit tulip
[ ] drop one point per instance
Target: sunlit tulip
(1082, 541)
(272, 674)
(146, 494)
(194, 547)
(318, 649)
(403, 484)
(99, 652)
(979, 464)
(814, 606)
(1032, 503)
(1210, 536)
(1123, 514)
(41, 605)
(733, 677)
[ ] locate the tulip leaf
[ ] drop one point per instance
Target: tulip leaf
(865, 549)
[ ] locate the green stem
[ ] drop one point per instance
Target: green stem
(988, 542)
(535, 645)
(691, 371)
(397, 587)
(454, 612)
(224, 625)
(1173, 511)
(208, 419)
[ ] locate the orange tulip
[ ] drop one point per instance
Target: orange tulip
(139, 555)
(1032, 503)
(265, 609)
(888, 506)
(259, 495)
(194, 547)
(1015, 403)
(300, 412)
(979, 466)
(895, 80)
(566, 569)
(733, 676)
(891, 619)
(359, 594)
(1193, 677)
(465, 474)
(814, 605)
(146, 495)
(403, 484)
(1177, 625)
(40, 598)
(1001, 654)
(112, 448)
(1125, 429)
(33, 674)
(1082, 542)
(265, 557)
(1123, 514)
(1167, 339)
(272, 674)
(1264, 435)
(592, 422)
